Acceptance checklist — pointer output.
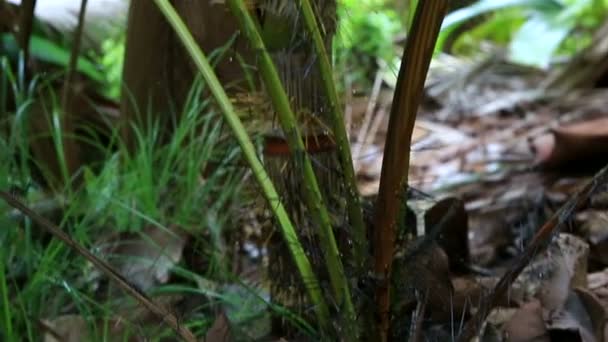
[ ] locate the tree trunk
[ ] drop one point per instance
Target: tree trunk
(158, 73)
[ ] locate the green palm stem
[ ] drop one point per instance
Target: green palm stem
(289, 234)
(355, 212)
(312, 193)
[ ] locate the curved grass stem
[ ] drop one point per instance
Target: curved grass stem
(289, 234)
(312, 193)
(355, 212)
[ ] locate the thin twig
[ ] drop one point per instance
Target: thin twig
(418, 316)
(67, 83)
(367, 118)
(539, 242)
(25, 28)
(108, 270)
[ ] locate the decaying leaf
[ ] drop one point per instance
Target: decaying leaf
(219, 331)
(68, 328)
(74, 328)
(572, 322)
(595, 309)
(146, 259)
(527, 324)
(567, 269)
(595, 228)
(581, 142)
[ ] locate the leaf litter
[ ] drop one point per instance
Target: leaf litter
(480, 157)
(513, 155)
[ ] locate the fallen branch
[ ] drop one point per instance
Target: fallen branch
(539, 242)
(108, 270)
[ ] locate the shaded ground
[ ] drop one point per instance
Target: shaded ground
(513, 155)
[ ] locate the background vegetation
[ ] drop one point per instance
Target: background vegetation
(190, 188)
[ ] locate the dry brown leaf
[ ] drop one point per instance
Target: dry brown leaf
(146, 259)
(596, 311)
(597, 279)
(489, 233)
(467, 292)
(527, 324)
(74, 328)
(581, 142)
(595, 228)
(68, 328)
(573, 322)
(220, 330)
(567, 269)
(450, 218)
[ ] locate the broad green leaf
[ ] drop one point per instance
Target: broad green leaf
(48, 51)
(549, 7)
(537, 40)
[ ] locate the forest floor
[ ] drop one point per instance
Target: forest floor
(487, 141)
(513, 156)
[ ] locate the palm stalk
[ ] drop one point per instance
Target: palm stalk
(289, 234)
(355, 212)
(312, 193)
(395, 165)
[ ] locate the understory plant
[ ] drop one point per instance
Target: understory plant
(158, 184)
(566, 27)
(418, 53)
(186, 185)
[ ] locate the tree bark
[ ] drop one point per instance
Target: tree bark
(158, 73)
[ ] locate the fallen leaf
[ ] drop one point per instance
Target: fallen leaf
(220, 330)
(422, 271)
(467, 293)
(595, 228)
(74, 328)
(567, 269)
(571, 322)
(596, 311)
(575, 143)
(449, 217)
(68, 328)
(527, 324)
(146, 259)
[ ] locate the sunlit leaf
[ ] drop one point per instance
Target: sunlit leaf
(47, 51)
(487, 6)
(525, 47)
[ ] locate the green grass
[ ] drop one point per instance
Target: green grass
(194, 181)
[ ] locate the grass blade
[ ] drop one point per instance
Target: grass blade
(270, 193)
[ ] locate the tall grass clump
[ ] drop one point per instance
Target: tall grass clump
(187, 184)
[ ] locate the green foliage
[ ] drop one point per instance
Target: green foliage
(562, 26)
(162, 183)
(102, 64)
(365, 36)
(301, 260)
(49, 51)
(163, 180)
(111, 61)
